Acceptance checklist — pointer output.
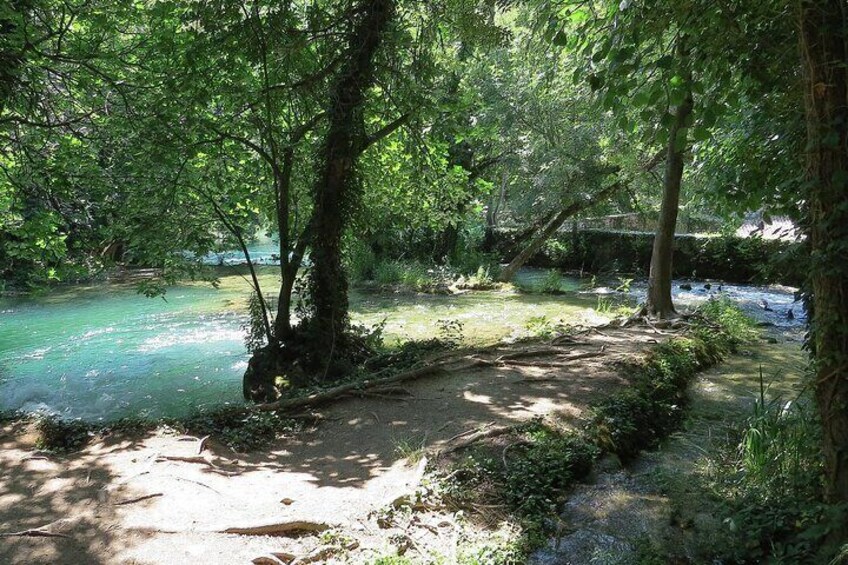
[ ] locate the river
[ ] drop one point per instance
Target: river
(104, 352)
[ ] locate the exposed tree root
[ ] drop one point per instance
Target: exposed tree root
(356, 387)
(200, 461)
(316, 555)
(201, 444)
(530, 353)
(138, 499)
(41, 532)
(278, 529)
(474, 437)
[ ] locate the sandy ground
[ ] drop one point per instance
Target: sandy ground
(342, 472)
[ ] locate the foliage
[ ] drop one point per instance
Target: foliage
(653, 406)
(539, 470)
(55, 434)
(254, 328)
(541, 327)
(729, 258)
(551, 283)
(239, 430)
(450, 332)
(770, 484)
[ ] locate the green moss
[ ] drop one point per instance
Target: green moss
(643, 414)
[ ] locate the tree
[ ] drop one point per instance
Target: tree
(824, 50)
(669, 70)
(335, 187)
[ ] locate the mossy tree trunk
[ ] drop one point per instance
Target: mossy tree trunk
(336, 188)
(824, 48)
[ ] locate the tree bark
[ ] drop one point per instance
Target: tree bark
(659, 302)
(335, 190)
(495, 202)
(551, 228)
(824, 49)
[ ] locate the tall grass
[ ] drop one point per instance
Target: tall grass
(773, 484)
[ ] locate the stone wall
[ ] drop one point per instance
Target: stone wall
(722, 257)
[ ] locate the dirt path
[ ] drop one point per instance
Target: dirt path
(135, 501)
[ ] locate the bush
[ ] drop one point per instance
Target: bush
(539, 471)
(771, 486)
(239, 430)
(653, 407)
(55, 434)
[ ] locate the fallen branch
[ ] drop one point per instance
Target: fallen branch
(477, 436)
(466, 432)
(282, 528)
(356, 387)
(137, 499)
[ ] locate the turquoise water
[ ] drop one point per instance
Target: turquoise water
(104, 352)
(111, 353)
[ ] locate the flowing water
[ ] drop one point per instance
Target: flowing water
(105, 352)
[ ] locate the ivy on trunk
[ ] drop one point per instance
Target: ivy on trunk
(824, 46)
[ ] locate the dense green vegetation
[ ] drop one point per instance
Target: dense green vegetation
(396, 143)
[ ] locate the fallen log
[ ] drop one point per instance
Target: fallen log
(477, 436)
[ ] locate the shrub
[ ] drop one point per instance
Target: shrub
(55, 434)
(240, 431)
(771, 484)
(640, 416)
(539, 471)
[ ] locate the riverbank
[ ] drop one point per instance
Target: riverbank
(353, 486)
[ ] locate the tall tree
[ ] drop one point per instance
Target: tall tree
(336, 188)
(824, 48)
(668, 70)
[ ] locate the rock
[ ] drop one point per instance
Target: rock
(790, 315)
(686, 286)
(708, 286)
(581, 547)
(609, 463)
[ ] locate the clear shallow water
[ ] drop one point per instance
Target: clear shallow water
(115, 353)
(100, 353)
(770, 304)
(106, 352)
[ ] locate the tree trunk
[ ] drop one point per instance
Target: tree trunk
(550, 229)
(824, 48)
(335, 190)
(282, 321)
(659, 279)
(495, 202)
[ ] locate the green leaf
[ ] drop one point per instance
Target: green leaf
(560, 39)
(700, 133)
